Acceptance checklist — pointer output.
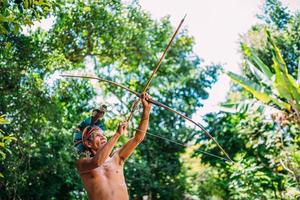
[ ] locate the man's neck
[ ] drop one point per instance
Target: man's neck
(92, 153)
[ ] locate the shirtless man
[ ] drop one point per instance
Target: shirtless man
(102, 175)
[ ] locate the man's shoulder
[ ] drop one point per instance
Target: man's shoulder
(80, 159)
(79, 162)
(85, 166)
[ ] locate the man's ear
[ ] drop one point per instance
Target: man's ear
(87, 143)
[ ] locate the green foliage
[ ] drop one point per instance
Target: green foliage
(250, 181)
(17, 14)
(281, 89)
(264, 144)
(122, 43)
(261, 151)
(275, 14)
(4, 141)
(287, 40)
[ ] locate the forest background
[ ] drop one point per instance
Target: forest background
(258, 125)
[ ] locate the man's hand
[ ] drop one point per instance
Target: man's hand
(122, 128)
(146, 104)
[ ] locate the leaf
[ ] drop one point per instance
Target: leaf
(10, 18)
(2, 18)
(3, 30)
(252, 87)
(3, 120)
(8, 150)
(281, 83)
(8, 138)
(257, 62)
(276, 53)
(295, 90)
(256, 72)
(25, 4)
(47, 8)
(87, 9)
(258, 92)
(2, 154)
(284, 82)
(16, 29)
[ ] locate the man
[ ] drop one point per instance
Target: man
(102, 175)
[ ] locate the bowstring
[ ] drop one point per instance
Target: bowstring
(181, 144)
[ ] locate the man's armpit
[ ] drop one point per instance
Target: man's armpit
(117, 157)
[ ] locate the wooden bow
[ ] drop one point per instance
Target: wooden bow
(152, 100)
(155, 103)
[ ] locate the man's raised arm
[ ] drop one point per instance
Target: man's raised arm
(130, 146)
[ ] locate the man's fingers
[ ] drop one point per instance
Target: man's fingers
(145, 97)
(124, 125)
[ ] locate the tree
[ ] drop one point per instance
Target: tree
(259, 148)
(277, 87)
(265, 147)
(5, 140)
(122, 43)
(17, 14)
(275, 14)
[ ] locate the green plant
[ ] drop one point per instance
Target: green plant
(277, 87)
(4, 140)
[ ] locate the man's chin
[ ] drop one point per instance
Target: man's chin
(102, 145)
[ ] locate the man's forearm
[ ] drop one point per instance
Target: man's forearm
(143, 126)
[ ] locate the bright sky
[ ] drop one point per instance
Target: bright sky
(216, 26)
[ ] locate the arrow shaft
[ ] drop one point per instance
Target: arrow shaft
(156, 68)
(163, 56)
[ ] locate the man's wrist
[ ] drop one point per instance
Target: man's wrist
(118, 134)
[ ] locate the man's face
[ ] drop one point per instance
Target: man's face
(99, 140)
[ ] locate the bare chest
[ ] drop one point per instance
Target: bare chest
(110, 172)
(106, 181)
